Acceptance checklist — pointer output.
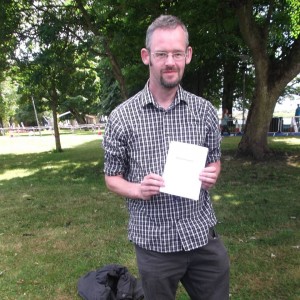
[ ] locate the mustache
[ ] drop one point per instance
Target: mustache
(170, 69)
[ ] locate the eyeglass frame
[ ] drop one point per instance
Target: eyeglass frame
(185, 54)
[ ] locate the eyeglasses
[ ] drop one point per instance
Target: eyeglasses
(163, 56)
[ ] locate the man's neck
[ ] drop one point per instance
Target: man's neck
(163, 96)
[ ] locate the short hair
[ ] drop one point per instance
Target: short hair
(165, 22)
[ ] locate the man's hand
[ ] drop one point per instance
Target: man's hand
(150, 186)
(209, 175)
(145, 190)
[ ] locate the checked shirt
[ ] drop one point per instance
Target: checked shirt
(136, 143)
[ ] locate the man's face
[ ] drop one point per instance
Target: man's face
(167, 72)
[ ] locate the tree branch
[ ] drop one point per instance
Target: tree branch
(114, 63)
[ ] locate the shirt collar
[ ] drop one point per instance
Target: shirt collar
(148, 98)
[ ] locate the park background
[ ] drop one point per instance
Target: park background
(83, 58)
(58, 220)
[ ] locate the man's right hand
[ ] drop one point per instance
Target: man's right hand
(150, 186)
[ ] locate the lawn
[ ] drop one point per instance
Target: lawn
(58, 221)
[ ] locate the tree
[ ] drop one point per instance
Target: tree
(114, 31)
(80, 95)
(214, 36)
(93, 21)
(275, 49)
(54, 68)
(10, 21)
(57, 80)
(8, 99)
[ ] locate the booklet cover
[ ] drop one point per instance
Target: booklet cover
(183, 166)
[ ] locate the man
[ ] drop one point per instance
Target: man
(174, 237)
(297, 115)
(224, 122)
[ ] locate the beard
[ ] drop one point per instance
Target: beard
(170, 84)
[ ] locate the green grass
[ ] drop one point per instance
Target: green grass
(58, 221)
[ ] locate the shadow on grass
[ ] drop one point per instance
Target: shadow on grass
(84, 161)
(257, 204)
(56, 211)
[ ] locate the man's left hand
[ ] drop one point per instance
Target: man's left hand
(209, 175)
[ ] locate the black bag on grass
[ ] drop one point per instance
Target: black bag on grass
(112, 282)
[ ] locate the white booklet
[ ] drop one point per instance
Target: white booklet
(183, 166)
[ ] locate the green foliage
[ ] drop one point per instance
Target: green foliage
(278, 25)
(102, 40)
(82, 89)
(9, 21)
(8, 101)
(62, 70)
(52, 62)
(216, 42)
(294, 13)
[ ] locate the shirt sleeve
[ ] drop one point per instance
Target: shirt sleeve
(213, 137)
(115, 145)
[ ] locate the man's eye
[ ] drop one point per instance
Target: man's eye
(178, 55)
(161, 55)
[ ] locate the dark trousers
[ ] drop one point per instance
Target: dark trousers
(225, 128)
(204, 272)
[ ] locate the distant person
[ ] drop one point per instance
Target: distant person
(297, 115)
(175, 239)
(224, 122)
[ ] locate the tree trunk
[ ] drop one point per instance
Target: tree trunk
(77, 115)
(116, 69)
(54, 101)
(1, 126)
(254, 142)
(229, 85)
(56, 130)
(271, 77)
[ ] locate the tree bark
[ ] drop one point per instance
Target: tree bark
(1, 125)
(54, 100)
(271, 77)
(77, 115)
(228, 85)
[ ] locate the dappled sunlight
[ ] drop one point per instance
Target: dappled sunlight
(221, 197)
(59, 211)
(56, 166)
(216, 198)
(287, 141)
(26, 196)
(235, 202)
(228, 198)
(37, 144)
(22, 173)
(293, 161)
(17, 173)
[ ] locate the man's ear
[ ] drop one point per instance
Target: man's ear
(145, 56)
(189, 52)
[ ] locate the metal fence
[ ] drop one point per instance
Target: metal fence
(278, 125)
(36, 130)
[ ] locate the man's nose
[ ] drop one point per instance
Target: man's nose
(170, 59)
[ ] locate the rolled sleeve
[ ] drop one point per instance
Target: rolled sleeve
(213, 137)
(114, 144)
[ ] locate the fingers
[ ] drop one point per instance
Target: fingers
(153, 180)
(150, 186)
(208, 177)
